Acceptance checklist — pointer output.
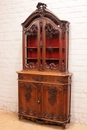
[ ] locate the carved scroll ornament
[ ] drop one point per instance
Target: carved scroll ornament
(20, 76)
(50, 30)
(28, 90)
(32, 31)
(65, 28)
(52, 116)
(51, 66)
(31, 65)
(28, 87)
(39, 78)
(52, 92)
(52, 95)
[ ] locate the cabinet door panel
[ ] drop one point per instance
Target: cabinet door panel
(53, 46)
(28, 99)
(52, 102)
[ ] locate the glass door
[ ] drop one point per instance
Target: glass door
(31, 47)
(53, 47)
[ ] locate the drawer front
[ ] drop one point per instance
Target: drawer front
(44, 78)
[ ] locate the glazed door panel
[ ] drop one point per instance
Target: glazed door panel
(52, 46)
(52, 102)
(32, 50)
(28, 99)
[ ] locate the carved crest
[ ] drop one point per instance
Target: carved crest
(41, 7)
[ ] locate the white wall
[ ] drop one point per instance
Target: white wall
(12, 14)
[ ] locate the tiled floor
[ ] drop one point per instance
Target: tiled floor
(10, 121)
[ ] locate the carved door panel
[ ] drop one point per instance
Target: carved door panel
(29, 101)
(52, 98)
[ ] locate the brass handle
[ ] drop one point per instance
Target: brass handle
(39, 101)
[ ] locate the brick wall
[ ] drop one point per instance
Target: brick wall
(12, 14)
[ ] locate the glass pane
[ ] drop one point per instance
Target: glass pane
(31, 47)
(52, 47)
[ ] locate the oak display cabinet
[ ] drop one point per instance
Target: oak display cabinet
(44, 83)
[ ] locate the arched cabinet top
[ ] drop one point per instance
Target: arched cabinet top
(43, 12)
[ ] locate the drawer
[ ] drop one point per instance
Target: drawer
(44, 78)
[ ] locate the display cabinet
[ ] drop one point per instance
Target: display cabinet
(44, 83)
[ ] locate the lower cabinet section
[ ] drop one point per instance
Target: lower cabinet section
(45, 102)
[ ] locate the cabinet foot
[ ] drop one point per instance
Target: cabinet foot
(69, 121)
(20, 117)
(64, 125)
